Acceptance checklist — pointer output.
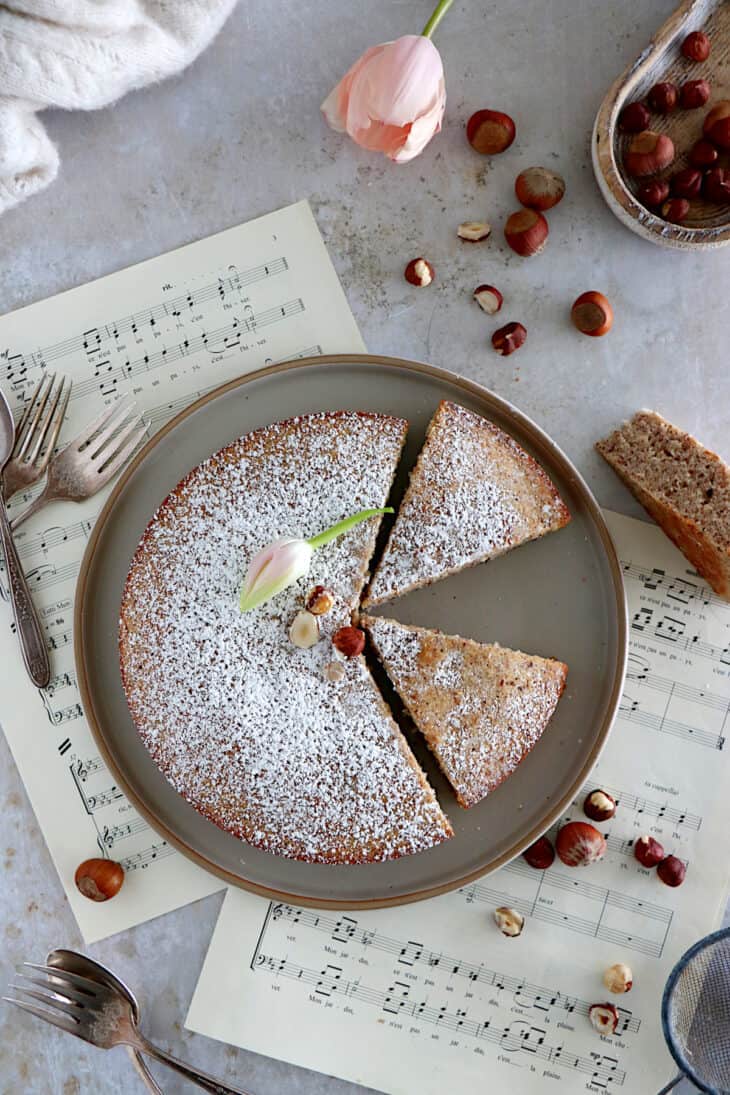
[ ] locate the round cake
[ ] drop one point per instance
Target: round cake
(250, 729)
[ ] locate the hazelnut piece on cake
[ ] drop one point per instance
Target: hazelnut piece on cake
(682, 485)
(473, 494)
(480, 707)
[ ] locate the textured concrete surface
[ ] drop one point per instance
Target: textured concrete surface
(240, 134)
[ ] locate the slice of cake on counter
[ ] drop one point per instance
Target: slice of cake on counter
(473, 494)
(684, 486)
(481, 708)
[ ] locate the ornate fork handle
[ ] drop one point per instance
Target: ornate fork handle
(200, 1078)
(32, 643)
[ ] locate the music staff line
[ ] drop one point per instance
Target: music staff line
(630, 710)
(653, 808)
(517, 1037)
(671, 631)
(638, 669)
(148, 317)
(345, 929)
(672, 586)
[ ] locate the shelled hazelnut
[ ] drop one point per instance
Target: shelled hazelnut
(694, 94)
(509, 338)
(663, 97)
(618, 978)
(599, 805)
(604, 1018)
(592, 314)
(686, 183)
(579, 844)
(696, 46)
(526, 232)
(474, 231)
(490, 132)
(488, 298)
(634, 118)
(419, 272)
(540, 855)
(653, 193)
(509, 921)
(304, 630)
(539, 188)
(99, 879)
(648, 153)
(319, 601)
(648, 851)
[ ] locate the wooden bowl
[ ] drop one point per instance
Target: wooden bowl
(708, 224)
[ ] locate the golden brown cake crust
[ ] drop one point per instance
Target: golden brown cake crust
(242, 723)
(480, 707)
(474, 494)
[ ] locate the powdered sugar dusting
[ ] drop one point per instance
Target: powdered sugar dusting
(474, 494)
(480, 707)
(245, 725)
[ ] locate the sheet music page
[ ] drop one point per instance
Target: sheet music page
(165, 331)
(431, 997)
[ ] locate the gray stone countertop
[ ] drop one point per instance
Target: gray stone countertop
(239, 134)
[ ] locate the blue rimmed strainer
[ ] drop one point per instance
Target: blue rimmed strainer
(696, 1014)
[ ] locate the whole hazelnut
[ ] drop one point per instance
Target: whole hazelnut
(319, 601)
(99, 879)
(716, 186)
(526, 232)
(716, 126)
(703, 154)
(648, 153)
(634, 118)
(648, 851)
(599, 806)
(474, 231)
(618, 979)
(686, 183)
(592, 314)
(350, 641)
(653, 193)
(663, 97)
(540, 855)
(490, 132)
(539, 188)
(694, 93)
(419, 272)
(579, 844)
(696, 46)
(604, 1018)
(672, 871)
(676, 210)
(509, 921)
(304, 630)
(509, 338)
(488, 298)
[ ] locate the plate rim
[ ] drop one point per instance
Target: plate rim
(538, 436)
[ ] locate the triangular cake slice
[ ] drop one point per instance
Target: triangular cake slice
(481, 708)
(684, 486)
(474, 493)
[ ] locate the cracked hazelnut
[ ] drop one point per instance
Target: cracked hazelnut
(509, 338)
(592, 314)
(716, 185)
(696, 46)
(509, 921)
(648, 152)
(488, 298)
(648, 851)
(304, 630)
(653, 193)
(618, 979)
(703, 154)
(526, 232)
(579, 844)
(490, 132)
(662, 97)
(99, 879)
(474, 231)
(539, 188)
(676, 210)
(694, 94)
(599, 806)
(634, 118)
(686, 183)
(320, 601)
(672, 871)
(716, 126)
(604, 1018)
(419, 272)
(350, 641)
(540, 855)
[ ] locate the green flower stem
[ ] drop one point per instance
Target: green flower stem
(439, 12)
(344, 526)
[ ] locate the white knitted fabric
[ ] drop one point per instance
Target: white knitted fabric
(82, 55)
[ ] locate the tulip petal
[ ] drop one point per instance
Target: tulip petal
(334, 107)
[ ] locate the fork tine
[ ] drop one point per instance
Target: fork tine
(49, 418)
(53, 436)
(121, 458)
(50, 999)
(31, 429)
(91, 988)
(55, 1019)
(57, 986)
(22, 422)
(111, 442)
(122, 407)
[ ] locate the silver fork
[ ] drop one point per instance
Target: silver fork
(99, 1014)
(36, 434)
(91, 459)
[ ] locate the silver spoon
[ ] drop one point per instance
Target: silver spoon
(94, 971)
(32, 643)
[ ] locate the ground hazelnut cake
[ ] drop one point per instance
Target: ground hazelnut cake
(473, 494)
(262, 737)
(481, 708)
(684, 486)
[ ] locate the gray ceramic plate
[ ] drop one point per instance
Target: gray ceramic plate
(561, 596)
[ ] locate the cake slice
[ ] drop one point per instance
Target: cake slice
(481, 708)
(474, 493)
(684, 486)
